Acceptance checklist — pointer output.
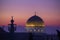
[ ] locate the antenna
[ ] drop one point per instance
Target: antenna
(35, 13)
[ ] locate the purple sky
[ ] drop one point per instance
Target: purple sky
(22, 10)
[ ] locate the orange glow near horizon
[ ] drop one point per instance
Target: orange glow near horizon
(22, 20)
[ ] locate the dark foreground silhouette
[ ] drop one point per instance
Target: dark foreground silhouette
(58, 34)
(26, 36)
(12, 35)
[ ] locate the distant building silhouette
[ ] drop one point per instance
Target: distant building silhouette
(2, 30)
(11, 27)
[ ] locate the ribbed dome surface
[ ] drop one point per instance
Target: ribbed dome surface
(35, 21)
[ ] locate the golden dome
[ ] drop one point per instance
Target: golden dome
(35, 21)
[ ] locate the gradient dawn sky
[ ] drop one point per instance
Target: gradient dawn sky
(22, 10)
